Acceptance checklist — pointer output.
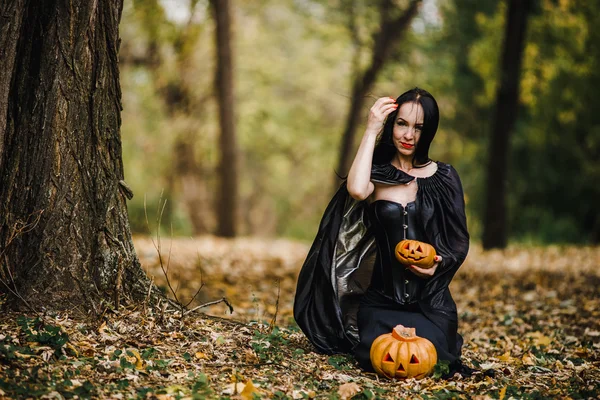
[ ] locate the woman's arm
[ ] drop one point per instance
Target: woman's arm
(359, 178)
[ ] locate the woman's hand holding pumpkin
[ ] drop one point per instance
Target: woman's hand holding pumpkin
(425, 273)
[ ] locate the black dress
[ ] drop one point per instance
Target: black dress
(341, 263)
(392, 297)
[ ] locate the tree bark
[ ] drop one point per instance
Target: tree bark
(507, 98)
(64, 232)
(389, 35)
(228, 189)
(11, 15)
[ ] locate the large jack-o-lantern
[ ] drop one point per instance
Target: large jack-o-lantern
(403, 354)
(414, 252)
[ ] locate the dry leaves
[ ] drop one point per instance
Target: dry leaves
(348, 390)
(530, 314)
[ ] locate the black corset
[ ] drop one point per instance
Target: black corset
(391, 223)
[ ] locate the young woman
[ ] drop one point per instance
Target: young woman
(351, 288)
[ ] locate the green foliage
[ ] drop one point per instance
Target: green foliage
(441, 368)
(341, 362)
(148, 353)
(33, 382)
(9, 348)
(201, 387)
(36, 330)
(268, 346)
(555, 141)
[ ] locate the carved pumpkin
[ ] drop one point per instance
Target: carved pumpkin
(402, 354)
(413, 252)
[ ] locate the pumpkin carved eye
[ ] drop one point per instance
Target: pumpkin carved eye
(414, 359)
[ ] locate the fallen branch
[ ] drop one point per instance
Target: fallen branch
(211, 303)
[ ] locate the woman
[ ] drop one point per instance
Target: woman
(351, 288)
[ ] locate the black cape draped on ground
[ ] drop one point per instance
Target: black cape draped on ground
(337, 270)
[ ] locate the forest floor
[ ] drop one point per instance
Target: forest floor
(530, 314)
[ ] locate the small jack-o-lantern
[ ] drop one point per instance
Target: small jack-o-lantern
(403, 354)
(413, 252)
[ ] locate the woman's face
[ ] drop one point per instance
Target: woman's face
(407, 128)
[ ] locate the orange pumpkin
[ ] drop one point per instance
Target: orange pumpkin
(414, 252)
(403, 354)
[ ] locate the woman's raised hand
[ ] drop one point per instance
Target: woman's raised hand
(383, 107)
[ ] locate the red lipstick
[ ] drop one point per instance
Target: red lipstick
(406, 145)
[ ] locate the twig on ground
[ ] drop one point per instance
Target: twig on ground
(201, 281)
(147, 300)
(211, 303)
(165, 268)
(274, 320)
(157, 244)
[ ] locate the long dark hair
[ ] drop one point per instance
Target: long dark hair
(385, 149)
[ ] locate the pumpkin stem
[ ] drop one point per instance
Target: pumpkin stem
(400, 332)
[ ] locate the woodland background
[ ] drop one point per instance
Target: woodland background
(295, 63)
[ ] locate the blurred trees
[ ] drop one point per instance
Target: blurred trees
(393, 22)
(227, 170)
(296, 62)
(507, 105)
(554, 150)
(168, 52)
(558, 154)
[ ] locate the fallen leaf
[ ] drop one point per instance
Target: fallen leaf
(250, 356)
(21, 355)
(502, 393)
(72, 349)
(249, 391)
(527, 360)
(233, 388)
(139, 364)
(590, 332)
(540, 339)
(347, 390)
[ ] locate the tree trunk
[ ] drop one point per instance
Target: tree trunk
(507, 98)
(228, 189)
(64, 231)
(194, 193)
(389, 35)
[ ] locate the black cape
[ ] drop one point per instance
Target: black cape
(338, 267)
